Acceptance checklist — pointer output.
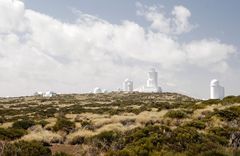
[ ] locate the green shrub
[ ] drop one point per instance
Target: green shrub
(218, 139)
(2, 120)
(123, 152)
(87, 125)
(211, 102)
(229, 114)
(23, 124)
(64, 124)
(61, 154)
(43, 123)
(11, 134)
(105, 139)
(197, 124)
(213, 153)
(222, 131)
(231, 99)
(23, 148)
(77, 140)
(176, 114)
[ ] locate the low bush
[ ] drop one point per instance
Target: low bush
(211, 102)
(222, 131)
(231, 100)
(77, 140)
(176, 114)
(105, 139)
(43, 123)
(23, 148)
(11, 134)
(2, 120)
(61, 154)
(23, 124)
(214, 153)
(196, 124)
(64, 124)
(229, 114)
(86, 124)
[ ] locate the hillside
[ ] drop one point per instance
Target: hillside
(119, 124)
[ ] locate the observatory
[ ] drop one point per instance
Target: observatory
(216, 90)
(97, 90)
(49, 94)
(152, 83)
(128, 85)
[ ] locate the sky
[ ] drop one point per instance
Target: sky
(73, 46)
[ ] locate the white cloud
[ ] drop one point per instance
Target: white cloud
(181, 19)
(176, 24)
(11, 15)
(209, 53)
(40, 52)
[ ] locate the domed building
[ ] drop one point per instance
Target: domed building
(216, 90)
(152, 83)
(97, 90)
(128, 85)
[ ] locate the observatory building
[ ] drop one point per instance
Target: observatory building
(216, 90)
(97, 90)
(49, 94)
(45, 94)
(128, 85)
(152, 83)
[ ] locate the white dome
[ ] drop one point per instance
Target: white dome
(214, 82)
(126, 80)
(97, 90)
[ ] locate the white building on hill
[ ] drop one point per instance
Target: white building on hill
(216, 90)
(128, 85)
(49, 94)
(152, 83)
(97, 90)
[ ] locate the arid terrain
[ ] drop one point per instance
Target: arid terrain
(119, 124)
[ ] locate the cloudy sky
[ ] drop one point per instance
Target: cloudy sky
(72, 46)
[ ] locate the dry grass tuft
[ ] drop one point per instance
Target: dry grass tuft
(40, 134)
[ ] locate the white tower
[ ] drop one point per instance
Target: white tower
(128, 85)
(152, 78)
(152, 83)
(216, 91)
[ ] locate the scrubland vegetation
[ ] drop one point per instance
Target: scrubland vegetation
(119, 124)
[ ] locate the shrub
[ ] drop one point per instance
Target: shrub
(123, 152)
(2, 120)
(176, 114)
(23, 124)
(64, 124)
(105, 139)
(87, 125)
(197, 124)
(128, 122)
(11, 134)
(211, 101)
(77, 140)
(231, 99)
(222, 131)
(23, 148)
(213, 153)
(182, 137)
(43, 123)
(229, 114)
(61, 154)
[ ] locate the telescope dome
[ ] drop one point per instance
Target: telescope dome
(214, 82)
